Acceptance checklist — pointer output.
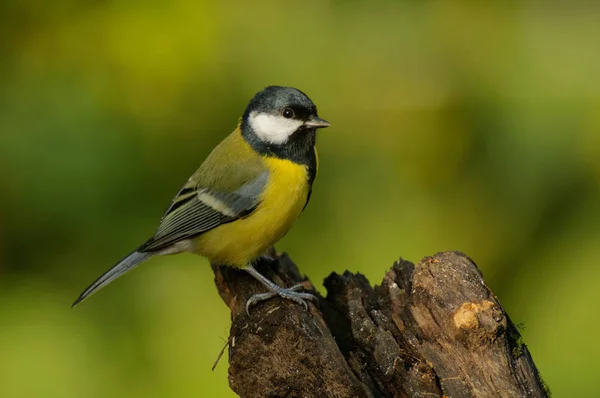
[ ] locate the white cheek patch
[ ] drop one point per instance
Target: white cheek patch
(274, 129)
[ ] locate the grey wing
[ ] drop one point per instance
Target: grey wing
(196, 210)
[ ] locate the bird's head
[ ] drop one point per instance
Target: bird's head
(277, 114)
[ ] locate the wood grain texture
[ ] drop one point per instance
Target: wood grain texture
(430, 330)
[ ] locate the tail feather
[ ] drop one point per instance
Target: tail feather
(117, 270)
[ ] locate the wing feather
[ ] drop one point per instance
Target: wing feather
(199, 207)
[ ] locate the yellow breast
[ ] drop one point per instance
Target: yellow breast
(240, 242)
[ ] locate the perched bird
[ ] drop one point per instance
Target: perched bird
(245, 196)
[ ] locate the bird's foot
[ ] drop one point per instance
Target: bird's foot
(289, 293)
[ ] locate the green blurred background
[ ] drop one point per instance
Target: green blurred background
(471, 126)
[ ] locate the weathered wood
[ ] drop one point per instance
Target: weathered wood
(430, 330)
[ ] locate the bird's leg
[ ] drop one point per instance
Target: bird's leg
(268, 258)
(275, 290)
(270, 255)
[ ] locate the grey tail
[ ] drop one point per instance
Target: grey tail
(117, 270)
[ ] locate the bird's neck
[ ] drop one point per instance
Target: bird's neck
(298, 149)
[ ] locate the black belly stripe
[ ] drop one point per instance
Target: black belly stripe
(312, 167)
(300, 148)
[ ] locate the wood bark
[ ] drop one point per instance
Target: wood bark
(430, 330)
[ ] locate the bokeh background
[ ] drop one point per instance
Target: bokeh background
(471, 126)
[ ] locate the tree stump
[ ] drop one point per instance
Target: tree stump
(430, 330)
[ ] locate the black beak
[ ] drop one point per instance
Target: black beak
(317, 123)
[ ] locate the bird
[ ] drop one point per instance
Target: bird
(245, 196)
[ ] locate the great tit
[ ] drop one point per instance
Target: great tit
(245, 196)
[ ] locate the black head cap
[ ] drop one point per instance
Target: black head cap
(285, 102)
(273, 99)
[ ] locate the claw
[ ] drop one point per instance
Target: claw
(258, 298)
(275, 290)
(290, 294)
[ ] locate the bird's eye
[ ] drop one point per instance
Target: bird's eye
(288, 113)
